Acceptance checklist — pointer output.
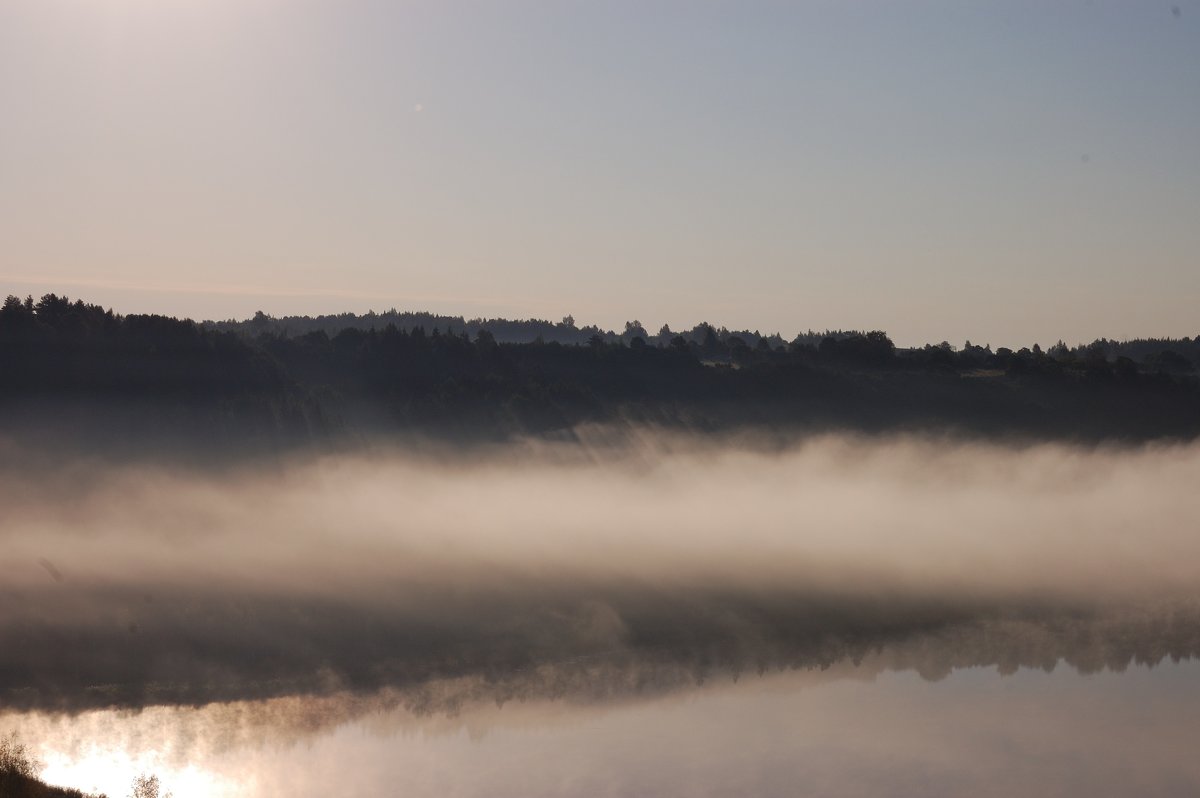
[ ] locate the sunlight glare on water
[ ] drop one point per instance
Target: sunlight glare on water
(843, 731)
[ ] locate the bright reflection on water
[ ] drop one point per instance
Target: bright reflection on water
(846, 731)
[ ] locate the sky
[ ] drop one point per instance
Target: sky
(1004, 172)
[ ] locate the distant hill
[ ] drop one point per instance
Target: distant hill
(505, 331)
(78, 375)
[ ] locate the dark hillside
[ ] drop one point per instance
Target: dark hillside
(77, 374)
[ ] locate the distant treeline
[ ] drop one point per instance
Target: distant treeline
(504, 331)
(84, 375)
(1180, 354)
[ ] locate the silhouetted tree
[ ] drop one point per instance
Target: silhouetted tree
(147, 786)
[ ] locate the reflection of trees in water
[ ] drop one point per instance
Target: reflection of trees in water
(450, 697)
(623, 647)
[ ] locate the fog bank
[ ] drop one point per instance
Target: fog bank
(540, 568)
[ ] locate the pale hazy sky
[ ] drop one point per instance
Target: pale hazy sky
(1000, 171)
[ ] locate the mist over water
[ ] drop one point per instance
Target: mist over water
(407, 590)
(139, 584)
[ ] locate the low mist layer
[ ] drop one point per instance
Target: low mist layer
(536, 569)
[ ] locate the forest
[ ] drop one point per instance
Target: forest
(76, 374)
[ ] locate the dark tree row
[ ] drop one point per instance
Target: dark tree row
(85, 373)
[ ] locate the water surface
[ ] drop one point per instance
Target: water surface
(645, 615)
(845, 731)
